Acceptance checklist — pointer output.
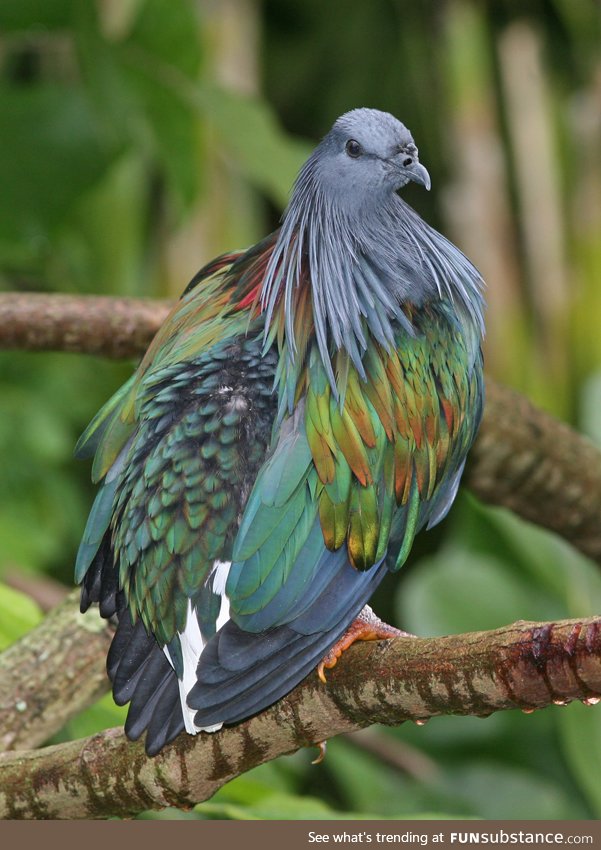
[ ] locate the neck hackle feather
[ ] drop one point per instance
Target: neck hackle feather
(344, 272)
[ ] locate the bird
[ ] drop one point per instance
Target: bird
(305, 409)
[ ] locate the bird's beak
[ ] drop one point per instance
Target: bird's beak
(418, 174)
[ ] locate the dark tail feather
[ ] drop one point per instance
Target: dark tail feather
(240, 673)
(236, 697)
(142, 676)
(136, 665)
(101, 582)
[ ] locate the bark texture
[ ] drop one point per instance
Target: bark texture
(538, 467)
(525, 665)
(52, 674)
(112, 327)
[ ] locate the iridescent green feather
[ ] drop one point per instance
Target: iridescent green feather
(369, 460)
(179, 498)
(401, 433)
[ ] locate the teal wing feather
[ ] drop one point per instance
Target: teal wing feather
(109, 432)
(279, 540)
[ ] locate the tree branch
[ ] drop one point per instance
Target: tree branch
(526, 665)
(523, 459)
(52, 674)
(85, 324)
(538, 467)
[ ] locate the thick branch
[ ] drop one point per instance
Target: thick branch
(526, 665)
(523, 459)
(52, 674)
(538, 467)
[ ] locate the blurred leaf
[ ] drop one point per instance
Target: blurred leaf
(174, 132)
(103, 79)
(141, 84)
(494, 791)
(580, 730)
(102, 246)
(168, 30)
(44, 493)
(582, 19)
(363, 781)
(286, 807)
(117, 18)
(256, 785)
(274, 807)
(18, 615)
(163, 46)
(582, 584)
(452, 738)
(102, 715)
(590, 405)
(457, 590)
(531, 553)
(266, 792)
(250, 135)
(52, 133)
(271, 791)
(566, 582)
(18, 15)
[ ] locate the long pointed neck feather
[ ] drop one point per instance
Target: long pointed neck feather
(362, 267)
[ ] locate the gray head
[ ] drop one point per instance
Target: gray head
(367, 155)
(364, 251)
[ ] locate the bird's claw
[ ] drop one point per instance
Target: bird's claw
(364, 627)
(321, 746)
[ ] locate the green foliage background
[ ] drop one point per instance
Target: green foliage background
(141, 137)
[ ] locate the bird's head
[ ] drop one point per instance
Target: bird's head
(361, 249)
(367, 155)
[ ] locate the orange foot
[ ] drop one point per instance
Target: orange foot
(365, 627)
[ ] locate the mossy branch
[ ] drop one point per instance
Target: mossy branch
(526, 665)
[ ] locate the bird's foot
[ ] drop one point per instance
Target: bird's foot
(364, 627)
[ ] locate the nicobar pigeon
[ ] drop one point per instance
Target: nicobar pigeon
(303, 412)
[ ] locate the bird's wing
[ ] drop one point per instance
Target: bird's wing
(214, 308)
(347, 473)
(176, 451)
(202, 435)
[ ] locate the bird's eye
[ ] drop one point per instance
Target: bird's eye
(353, 148)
